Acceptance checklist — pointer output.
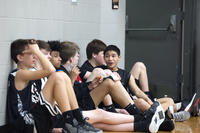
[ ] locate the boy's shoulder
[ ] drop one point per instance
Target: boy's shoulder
(87, 66)
(62, 69)
(123, 72)
(102, 67)
(13, 72)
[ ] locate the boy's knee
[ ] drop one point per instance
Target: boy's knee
(57, 76)
(170, 101)
(140, 65)
(109, 82)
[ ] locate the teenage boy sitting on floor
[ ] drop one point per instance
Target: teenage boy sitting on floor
(112, 57)
(57, 89)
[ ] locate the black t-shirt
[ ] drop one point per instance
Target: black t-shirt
(87, 66)
(84, 68)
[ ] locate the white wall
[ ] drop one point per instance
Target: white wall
(57, 19)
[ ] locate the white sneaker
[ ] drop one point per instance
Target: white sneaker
(181, 116)
(157, 119)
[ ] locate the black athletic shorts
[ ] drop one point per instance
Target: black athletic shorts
(86, 103)
(43, 113)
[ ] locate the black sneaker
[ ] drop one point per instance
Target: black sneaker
(78, 127)
(152, 109)
(89, 127)
(167, 125)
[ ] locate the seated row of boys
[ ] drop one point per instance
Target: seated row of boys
(36, 100)
(59, 88)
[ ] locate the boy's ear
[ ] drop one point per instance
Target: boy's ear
(19, 57)
(70, 60)
(94, 55)
(119, 57)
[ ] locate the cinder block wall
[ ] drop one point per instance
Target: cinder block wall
(57, 20)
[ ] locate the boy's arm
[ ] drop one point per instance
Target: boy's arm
(47, 67)
(73, 74)
(139, 93)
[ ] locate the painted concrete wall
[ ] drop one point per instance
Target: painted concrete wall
(57, 20)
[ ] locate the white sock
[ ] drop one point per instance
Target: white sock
(178, 105)
(171, 112)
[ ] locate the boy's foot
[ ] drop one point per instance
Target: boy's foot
(157, 119)
(151, 111)
(194, 102)
(167, 125)
(89, 127)
(181, 116)
(78, 127)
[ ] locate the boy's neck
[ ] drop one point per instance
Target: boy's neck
(67, 66)
(114, 69)
(21, 66)
(92, 62)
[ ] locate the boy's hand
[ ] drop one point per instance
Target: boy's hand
(95, 82)
(32, 49)
(116, 76)
(74, 73)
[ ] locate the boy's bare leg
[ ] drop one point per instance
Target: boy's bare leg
(125, 127)
(116, 91)
(70, 91)
(109, 121)
(107, 100)
(142, 104)
(166, 102)
(102, 116)
(55, 90)
(139, 72)
(98, 72)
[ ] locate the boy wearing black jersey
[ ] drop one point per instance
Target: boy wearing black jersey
(112, 57)
(56, 90)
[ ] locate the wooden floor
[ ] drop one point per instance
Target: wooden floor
(190, 126)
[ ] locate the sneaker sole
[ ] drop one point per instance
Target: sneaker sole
(157, 120)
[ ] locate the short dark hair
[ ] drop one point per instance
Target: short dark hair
(69, 50)
(43, 45)
(55, 45)
(18, 46)
(112, 48)
(95, 46)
